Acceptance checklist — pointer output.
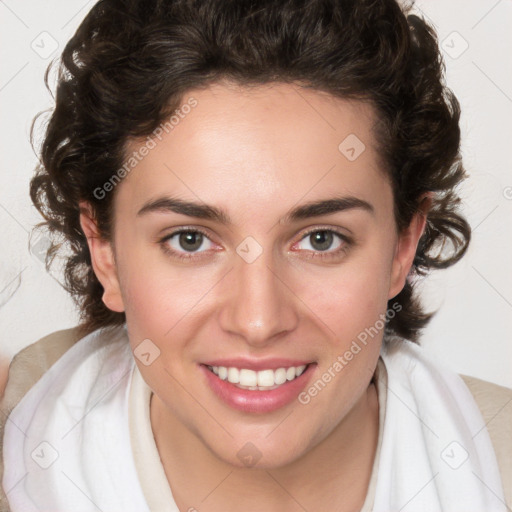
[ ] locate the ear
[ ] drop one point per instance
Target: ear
(103, 260)
(406, 247)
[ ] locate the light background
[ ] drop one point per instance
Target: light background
(471, 332)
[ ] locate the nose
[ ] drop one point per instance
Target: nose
(260, 306)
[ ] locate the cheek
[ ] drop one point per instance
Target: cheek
(155, 302)
(351, 298)
(158, 295)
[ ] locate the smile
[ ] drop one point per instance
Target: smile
(263, 380)
(259, 390)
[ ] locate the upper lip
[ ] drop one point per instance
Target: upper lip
(257, 364)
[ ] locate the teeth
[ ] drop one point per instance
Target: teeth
(223, 373)
(233, 375)
(248, 377)
(280, 376)
(261, 380)
(266, 378)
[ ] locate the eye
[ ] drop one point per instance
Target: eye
(185, 243)
(193, 243)
(326, 241)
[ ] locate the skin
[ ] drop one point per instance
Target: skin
(257, 153)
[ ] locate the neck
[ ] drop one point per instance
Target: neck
(334, 475)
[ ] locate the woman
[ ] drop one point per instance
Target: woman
(248, 192)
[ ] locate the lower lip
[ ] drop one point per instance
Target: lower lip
(257, 401)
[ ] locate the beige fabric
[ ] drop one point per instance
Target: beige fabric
(381, 382)
(25, 370)
(495, 403)
(149, 467)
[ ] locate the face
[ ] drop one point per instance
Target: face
(256, 235)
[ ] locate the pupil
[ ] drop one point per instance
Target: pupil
(191, 240)
(321, 240)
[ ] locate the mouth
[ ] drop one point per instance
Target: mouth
(262, 380)
(257, 391)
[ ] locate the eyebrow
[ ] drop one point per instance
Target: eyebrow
(208, 212)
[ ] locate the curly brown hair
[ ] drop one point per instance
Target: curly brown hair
(130, 63)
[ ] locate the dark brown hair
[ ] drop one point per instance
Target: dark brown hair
(131, 62)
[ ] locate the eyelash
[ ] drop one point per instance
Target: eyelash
(176, 254)
(346, 243)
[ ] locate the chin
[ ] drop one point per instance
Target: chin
(258, 453)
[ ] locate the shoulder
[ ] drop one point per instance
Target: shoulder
(26, 368)
(29, 364)
(495, 404)
(65, 362)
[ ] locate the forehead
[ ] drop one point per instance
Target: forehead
(265, 143)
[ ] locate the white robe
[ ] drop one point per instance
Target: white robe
(67, 442)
